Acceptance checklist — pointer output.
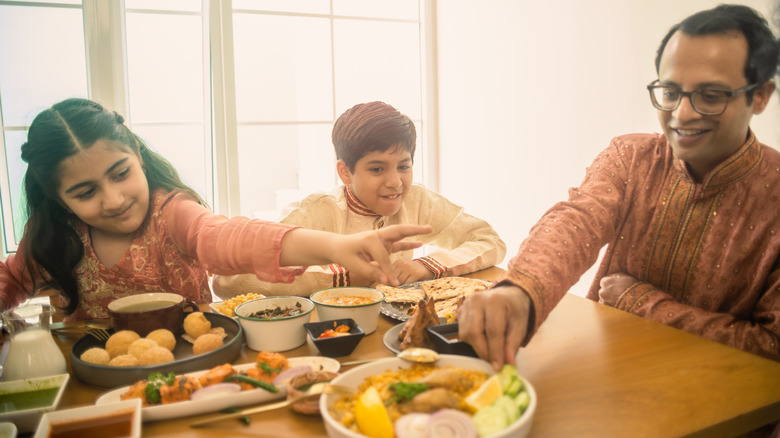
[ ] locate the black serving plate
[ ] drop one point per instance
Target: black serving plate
(114, 377)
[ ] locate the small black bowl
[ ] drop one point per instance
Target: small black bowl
(335, 346)
(445, 338)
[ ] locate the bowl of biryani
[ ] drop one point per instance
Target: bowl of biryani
(456, 396)
(275, 323)
(359, 303)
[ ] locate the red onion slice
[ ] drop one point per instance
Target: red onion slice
(281, 380)
(411, 425)
(451, 423)
(215, 390)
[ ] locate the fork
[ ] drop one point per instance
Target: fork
(99, 334)
(315, 389)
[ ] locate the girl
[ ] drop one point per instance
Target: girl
(108, 217)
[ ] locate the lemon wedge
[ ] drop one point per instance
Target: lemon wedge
(486, 394)
(371, 415)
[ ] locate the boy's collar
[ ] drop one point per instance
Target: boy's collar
(355, 205)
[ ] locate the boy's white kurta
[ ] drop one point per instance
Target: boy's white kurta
(463, 243)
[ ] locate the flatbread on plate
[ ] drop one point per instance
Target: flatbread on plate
(400, 295)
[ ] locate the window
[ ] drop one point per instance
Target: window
(240, 96)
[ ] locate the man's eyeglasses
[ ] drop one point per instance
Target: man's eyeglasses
(705, 101)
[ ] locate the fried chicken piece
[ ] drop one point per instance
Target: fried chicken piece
(414, 334)
(273, 360)
(451, 379)
(431, 401)
(181, 390)
(137, 390)
(218, 374)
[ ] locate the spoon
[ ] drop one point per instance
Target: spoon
(315, 389)
(417, 355)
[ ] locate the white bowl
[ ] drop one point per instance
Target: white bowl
(88, 419)
(277, 334)
(365, 315)
(26, 419)
(354, 377)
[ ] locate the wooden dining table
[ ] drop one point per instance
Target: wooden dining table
(597, 372)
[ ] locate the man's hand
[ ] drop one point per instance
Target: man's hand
(495, 323)
(409, 271)
(612, 286)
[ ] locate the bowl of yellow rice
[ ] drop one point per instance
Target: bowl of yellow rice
(456, 396)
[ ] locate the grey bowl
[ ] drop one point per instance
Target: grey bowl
(114, 377)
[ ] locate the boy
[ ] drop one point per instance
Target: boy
(375, 147)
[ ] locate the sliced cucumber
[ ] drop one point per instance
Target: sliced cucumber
(490, 419)
(522, 400)
(506, 403)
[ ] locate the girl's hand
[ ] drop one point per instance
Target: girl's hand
(367, 254)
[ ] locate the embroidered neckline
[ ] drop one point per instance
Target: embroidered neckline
(355, 205)
(735, 167)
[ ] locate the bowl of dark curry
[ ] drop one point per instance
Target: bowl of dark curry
(359, 303)
(275, 323)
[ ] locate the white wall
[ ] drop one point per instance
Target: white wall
(531, 91)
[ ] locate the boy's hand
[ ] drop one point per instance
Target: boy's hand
(408, 271)
(368, 253)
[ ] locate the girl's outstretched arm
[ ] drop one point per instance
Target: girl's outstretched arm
(366, 253)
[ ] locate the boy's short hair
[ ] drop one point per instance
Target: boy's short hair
(369, 127)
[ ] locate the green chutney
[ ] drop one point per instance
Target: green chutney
(32, 399)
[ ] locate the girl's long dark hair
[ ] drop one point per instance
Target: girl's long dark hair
(51, 246)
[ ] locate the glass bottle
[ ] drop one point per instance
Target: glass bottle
(33, 352)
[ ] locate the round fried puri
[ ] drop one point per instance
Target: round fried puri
(164, 338)
(155, 355)
(120, 341)
(196, 324)
(206, 343)
(139, 347)
(124, 360)
(96, 355)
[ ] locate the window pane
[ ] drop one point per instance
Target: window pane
(283, 68)
(37, 69)
(185, 147)
(59, 2)
(400, 9)
(378, 61)
(165, 67)
(16, 169)
(165, 5)
(281, 164)
(310, 6)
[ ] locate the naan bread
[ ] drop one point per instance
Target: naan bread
(398, 295)
(451, 287)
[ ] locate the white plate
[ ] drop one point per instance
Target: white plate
(213, 404)
(215, 310)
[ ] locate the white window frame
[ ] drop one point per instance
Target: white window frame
(105, 44)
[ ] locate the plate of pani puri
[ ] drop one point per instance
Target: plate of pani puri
(207, 340)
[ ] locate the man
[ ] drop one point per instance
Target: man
(690, 217)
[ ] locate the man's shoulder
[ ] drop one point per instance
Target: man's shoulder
(643, 141)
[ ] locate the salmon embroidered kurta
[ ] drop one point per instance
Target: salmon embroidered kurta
(463, 243)
(705, 254)
(172, 251)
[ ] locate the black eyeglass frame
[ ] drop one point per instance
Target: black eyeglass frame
(689, 94)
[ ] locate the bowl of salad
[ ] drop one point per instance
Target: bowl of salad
(458, 396)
